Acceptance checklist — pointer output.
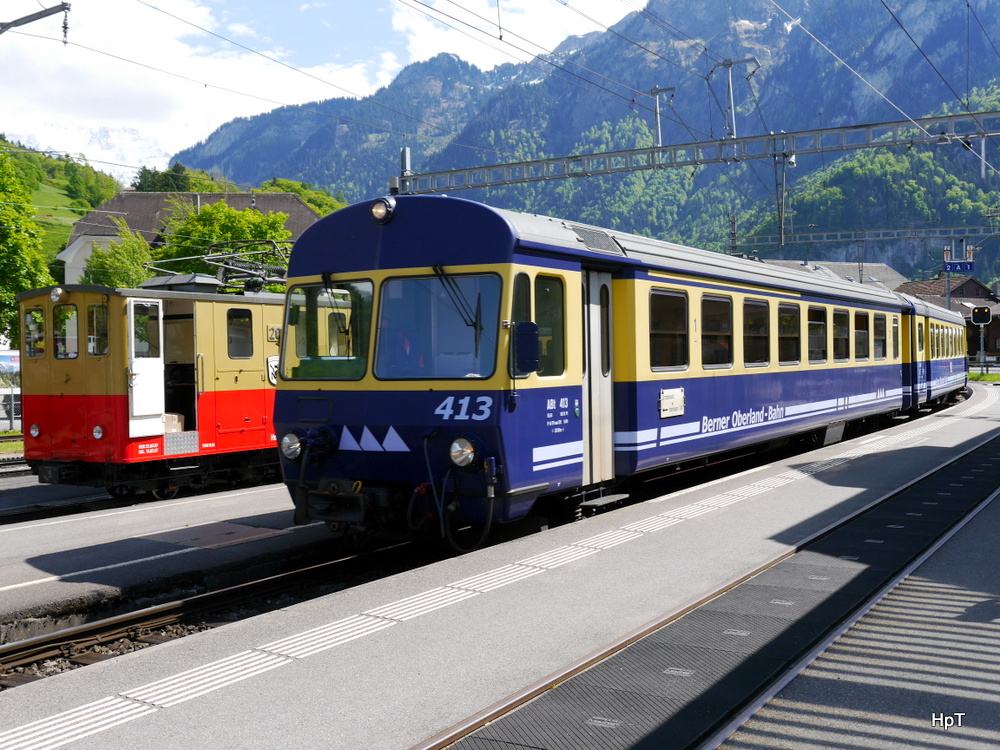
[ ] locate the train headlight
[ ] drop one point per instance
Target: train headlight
(381, 210)
(98, 432)
(58, 294)
(291, 446)
(463, 452)
(34, 430)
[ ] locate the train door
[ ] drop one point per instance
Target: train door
(145, 368)
(598, 390)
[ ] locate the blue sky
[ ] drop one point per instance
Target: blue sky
(143, 79)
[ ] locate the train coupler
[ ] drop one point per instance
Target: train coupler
(333, 500)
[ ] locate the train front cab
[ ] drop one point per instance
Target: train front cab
(456, 393)
(144, 389)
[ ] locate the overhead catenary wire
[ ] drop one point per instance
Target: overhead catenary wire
(277, 103)
(310, 75)
(427, 10)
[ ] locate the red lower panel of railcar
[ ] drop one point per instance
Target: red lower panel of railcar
(226, 422)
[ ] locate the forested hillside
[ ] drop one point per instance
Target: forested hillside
(926, 58)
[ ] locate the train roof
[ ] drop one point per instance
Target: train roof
(923, 307)
(161, 290)
(428, 230)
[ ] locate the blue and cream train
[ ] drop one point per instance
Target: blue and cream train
(446, 363)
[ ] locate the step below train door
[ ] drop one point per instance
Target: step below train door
(145, 368)
(598, 384)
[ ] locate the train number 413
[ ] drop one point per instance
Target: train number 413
(466, 407)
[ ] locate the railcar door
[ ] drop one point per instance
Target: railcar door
(598, 385)
(145, 368)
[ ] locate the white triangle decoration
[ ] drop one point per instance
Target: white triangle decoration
(393, 442)
(347, 441)
(368, 441)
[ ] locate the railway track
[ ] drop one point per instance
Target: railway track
(891, 537)
(35, 658)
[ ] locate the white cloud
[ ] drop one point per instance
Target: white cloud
(136, 84)
(150, 78)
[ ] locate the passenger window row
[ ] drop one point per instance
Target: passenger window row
(734, 331)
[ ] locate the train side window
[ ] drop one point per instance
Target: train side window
(789, 334)
(146, 330)
(879, 336)
(97, 330)
(756, 332)
(920, 336)
(841, 335)
(716, 331)
(239, 330)
(817, 334)
(550, 312)
(34, 332)
(668, 330)
(861, 335)
(895, 337)
(66, 331)
(605, 331)
(521, 313)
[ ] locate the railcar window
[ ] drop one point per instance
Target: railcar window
(817, 334)
(716, 331)
(861, 335)
(920, 336)
(97, 330)
(756, 332)
(668, 330)
(789, 334)
(327, 329)
(239, 330)
(520, 312)
(442, 326)
(605, 330)
(146, 330)
(879, 337)
(841, 335)
(66, 331)
(34, 332)
(550, 311)
(895, 337)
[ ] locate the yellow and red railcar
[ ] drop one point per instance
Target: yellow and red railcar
(155, 388)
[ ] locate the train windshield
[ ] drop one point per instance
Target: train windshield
(326, 331)
(442, 326)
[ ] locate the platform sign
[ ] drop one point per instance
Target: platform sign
(960, 266)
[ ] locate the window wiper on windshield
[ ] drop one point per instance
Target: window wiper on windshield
(471, 318)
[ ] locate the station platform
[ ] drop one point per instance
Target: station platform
(387, 665)
(920, 670)
(113, 559)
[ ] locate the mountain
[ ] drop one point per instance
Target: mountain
(818, 65)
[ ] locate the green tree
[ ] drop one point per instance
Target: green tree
(174, 180)
(316, 198)
(180, 179)
(191, 233)
(21, 264)
(120, 265)
(87, 187)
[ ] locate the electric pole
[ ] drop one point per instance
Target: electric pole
(61, 8)
(655, 93)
